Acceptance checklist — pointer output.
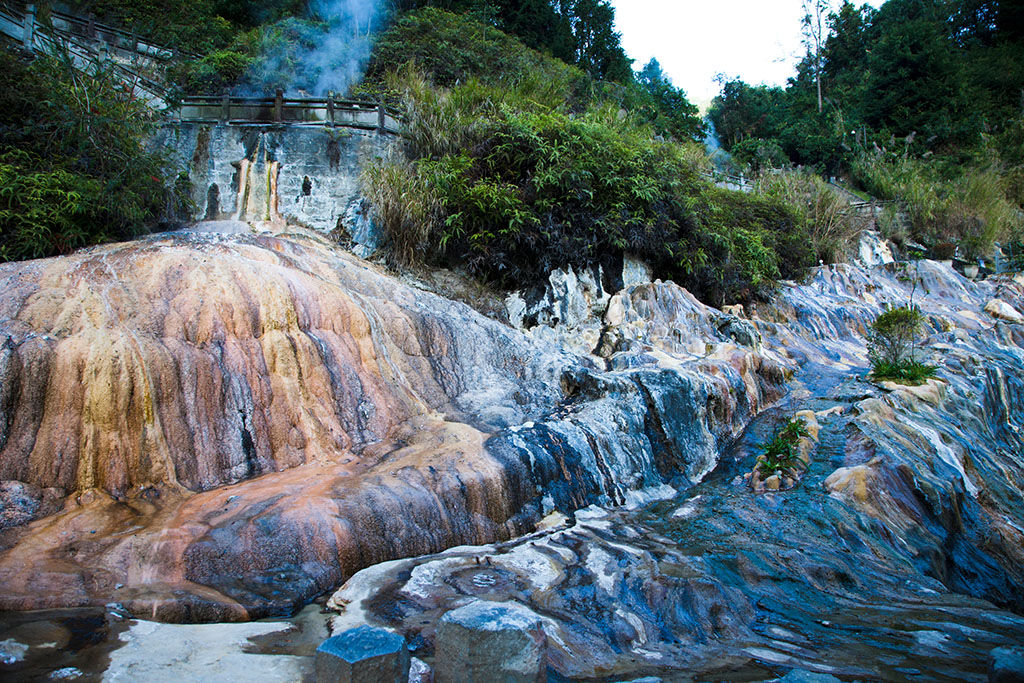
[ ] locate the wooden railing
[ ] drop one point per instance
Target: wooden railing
(729, 181)
(329, 111)
(88, 29)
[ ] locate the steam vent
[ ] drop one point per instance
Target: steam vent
(355, 341)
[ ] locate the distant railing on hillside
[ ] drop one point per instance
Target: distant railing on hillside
(729, 181)
(32, 35)
(87, 28)
(329, 111)
(1009, 257)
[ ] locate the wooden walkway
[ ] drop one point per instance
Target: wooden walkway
(22, 27)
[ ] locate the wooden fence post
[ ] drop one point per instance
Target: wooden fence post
(278, 105)
(330, 106)
(225, 108)
(29, 36)
(90, 28)
(381, 118)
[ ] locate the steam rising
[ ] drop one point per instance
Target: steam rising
(329, 53)
(341, 55)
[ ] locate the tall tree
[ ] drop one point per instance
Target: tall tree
(815, 27)
(539, 26)
(597, 49)
(743, 111)
(666, 106)
(916, 79)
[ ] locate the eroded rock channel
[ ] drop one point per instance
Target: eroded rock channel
(203, 427)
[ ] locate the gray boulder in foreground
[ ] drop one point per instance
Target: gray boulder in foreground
(487, 642)
(363, 655)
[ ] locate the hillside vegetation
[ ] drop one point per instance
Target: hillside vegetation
(921, 105)
(516, 163)
(74, 167)
(532, 144)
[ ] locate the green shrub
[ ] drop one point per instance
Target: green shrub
(892, 346)
(525, 187)
(215, 73)
(73, 166)
(455, 48)
(190, 25)
(907, 372)
(757, 155)
(43, 212)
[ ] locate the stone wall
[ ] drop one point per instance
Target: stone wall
(318, 181)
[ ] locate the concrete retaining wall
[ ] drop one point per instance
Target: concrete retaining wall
(318, 182)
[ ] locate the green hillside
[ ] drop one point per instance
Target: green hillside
(533, 143)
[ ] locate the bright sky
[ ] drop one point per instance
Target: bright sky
(693, 40)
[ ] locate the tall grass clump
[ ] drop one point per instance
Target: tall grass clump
(832, 226)
(407, 207)
(967, 204)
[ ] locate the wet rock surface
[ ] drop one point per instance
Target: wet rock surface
(157, 382)
(363, 655)
(1006, 664)
(897, 558)
(233, 424)
(487, 641)
(240, 422)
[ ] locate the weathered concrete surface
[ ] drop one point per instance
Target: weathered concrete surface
(100, 643)
(317, 177)
(267, 652)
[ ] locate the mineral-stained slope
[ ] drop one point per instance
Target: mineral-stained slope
(899, 556)
(202, 426)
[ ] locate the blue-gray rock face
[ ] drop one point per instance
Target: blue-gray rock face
(239, 422)
(357, 418)
(899, 555)
(1006, 665)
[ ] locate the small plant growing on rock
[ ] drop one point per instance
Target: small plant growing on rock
(780, 453)
(892, 343)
